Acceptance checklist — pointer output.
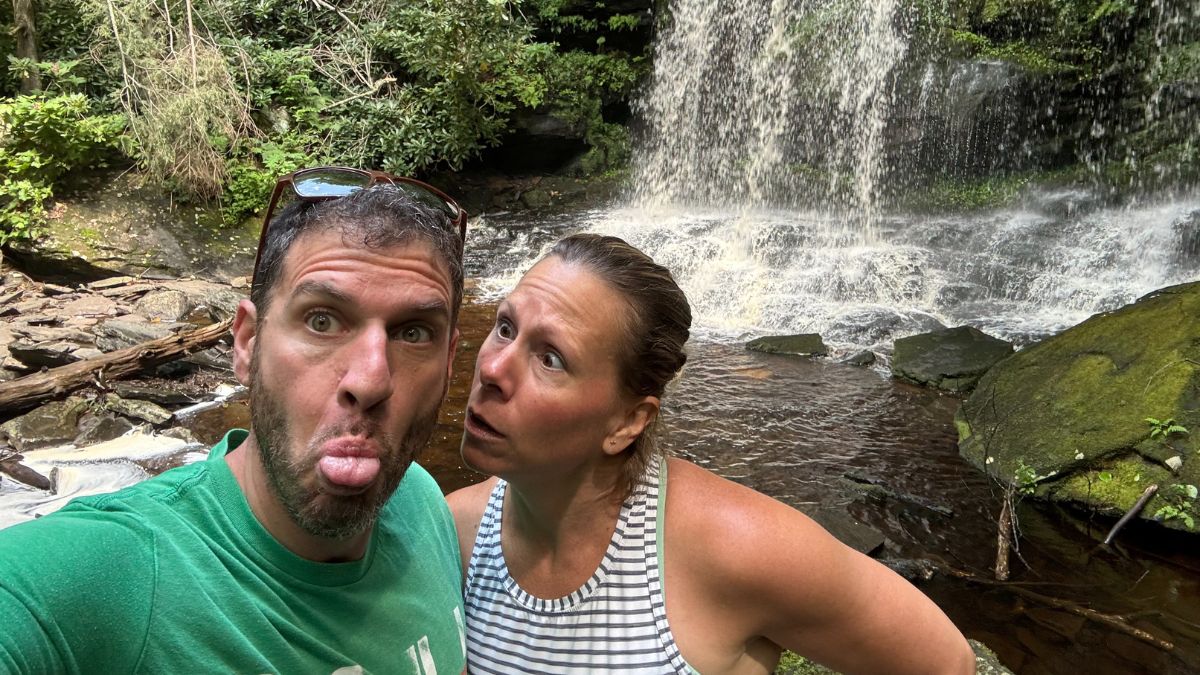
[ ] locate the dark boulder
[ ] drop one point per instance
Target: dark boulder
(952, 359)
(804, 344)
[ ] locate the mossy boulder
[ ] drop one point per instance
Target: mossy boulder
(804, 344)
(952, 359)
(1067, 419)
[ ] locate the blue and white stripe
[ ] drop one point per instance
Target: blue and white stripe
(615, 622)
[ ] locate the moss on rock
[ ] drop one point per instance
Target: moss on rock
(1073, 407)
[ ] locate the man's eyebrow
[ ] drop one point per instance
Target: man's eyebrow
(321, 288)
(324, 289)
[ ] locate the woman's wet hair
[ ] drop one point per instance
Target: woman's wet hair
(655, 330)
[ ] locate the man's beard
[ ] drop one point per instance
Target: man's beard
(286, 465)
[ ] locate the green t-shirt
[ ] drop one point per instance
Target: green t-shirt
(175, 574)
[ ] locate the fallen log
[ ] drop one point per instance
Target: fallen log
(30, 390)
(14, 469)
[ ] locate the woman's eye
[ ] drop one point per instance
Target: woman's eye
(553, 361)
(320, 322)
(505, 330)
(416, 334)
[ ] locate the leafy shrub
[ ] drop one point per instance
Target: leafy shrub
(41, 139)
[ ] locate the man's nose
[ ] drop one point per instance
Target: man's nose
(368, 370)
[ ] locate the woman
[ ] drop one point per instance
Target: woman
(586, 551)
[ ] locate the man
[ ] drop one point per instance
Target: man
(310, 543)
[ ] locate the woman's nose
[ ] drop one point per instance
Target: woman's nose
(494, 365)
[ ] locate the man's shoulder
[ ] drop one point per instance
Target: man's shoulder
(161, 490)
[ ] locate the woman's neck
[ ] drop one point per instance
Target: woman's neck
(556, 529)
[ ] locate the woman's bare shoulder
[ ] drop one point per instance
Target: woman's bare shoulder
(467, 505)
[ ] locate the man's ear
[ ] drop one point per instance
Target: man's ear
(245, 330)
(637, 417)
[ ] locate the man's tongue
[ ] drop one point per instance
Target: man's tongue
(352, 472)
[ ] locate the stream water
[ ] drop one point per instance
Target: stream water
(792, 428)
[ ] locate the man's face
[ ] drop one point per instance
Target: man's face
(346, 375)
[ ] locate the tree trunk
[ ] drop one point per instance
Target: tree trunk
(26, 35)
(26, 392)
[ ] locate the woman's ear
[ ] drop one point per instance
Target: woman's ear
(245, 330)
(637, 417)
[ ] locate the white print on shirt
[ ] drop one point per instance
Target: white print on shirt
(420, 655)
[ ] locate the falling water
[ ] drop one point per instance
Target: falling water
(779, 104)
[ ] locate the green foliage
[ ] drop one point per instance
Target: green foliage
(41, 139)
(1162, 429)
(252, 177)
(791, 663)
(964, 195)
(223, 96)
(1026, 478)
(1180, 504)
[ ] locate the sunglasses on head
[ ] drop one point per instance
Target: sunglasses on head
(324, 183)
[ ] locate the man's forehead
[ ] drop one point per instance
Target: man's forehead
(335, 251)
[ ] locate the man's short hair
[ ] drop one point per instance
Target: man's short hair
(377, 217)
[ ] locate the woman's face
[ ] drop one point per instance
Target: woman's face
(546, 398)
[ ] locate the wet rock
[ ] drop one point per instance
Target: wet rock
(213, 358)
(913, 569)
(843, 526)
(1066, 418)
(873, 325)
(164, 305)
(37, 355)
(142, 410)
(874, 485)
(1187, 233)
(986, 661)
(863, 358)
(116, 334)
(50, 424)
(99, 428)
(159, 395)
(952, 359)
(89, 305)
(804, 344)
(218, 301)
(181, 433)
(111, 282)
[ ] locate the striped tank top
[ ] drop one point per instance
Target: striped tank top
(615, 622)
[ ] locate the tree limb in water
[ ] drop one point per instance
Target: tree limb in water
(1004, 530)
(1117, 622)
(1129, 515)
(28, 391)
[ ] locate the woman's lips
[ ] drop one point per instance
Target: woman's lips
(478, 426)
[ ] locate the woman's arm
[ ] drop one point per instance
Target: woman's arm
(788, 580)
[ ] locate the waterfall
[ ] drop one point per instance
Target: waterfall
(777, 135)
(771, 104)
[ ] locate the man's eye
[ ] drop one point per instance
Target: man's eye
(416, 334)
(553, 361)
(505, 329)
(321, 322)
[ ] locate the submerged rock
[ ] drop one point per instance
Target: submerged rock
(804, 344)
(1096, 414)
(863, 358)
(48, 425)
(952, 359)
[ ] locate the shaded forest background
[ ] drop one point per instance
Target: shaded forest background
(213, 99)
